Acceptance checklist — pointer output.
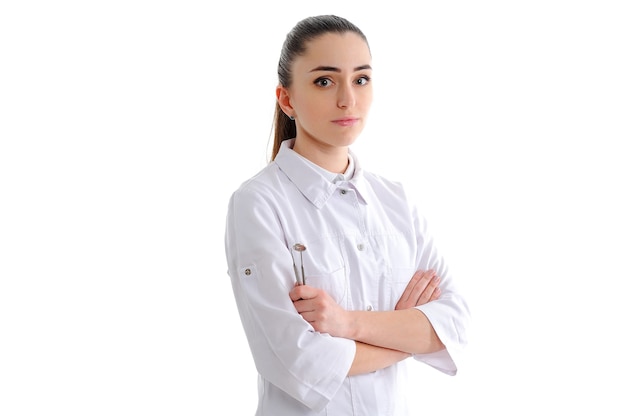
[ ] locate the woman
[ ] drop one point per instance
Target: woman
(336, 278)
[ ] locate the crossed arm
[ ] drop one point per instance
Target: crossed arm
(382, 338)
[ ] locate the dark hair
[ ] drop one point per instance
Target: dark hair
(294, 46)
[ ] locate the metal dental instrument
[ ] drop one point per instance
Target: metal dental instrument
(299, 273)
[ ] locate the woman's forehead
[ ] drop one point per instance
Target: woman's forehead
(341, 50)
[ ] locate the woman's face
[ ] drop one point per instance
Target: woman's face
(331, 92)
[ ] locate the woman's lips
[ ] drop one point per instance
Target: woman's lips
(346, 121)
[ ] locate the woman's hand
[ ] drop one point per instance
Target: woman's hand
(320, 310)
(422, 288)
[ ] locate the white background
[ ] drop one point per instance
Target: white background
(126, 125)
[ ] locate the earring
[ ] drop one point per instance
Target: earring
(292, 118)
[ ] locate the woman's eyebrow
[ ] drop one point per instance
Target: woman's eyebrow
(335, 69)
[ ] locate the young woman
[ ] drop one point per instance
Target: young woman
(335, 275)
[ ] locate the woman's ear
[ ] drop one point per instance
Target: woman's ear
(284, 101)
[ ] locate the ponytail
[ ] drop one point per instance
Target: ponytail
(284, 129)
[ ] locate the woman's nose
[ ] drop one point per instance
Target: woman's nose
(346, 97)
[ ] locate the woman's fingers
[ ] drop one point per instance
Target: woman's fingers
(431, 291)
(422, 288)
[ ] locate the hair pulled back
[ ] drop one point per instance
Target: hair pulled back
(295, 45)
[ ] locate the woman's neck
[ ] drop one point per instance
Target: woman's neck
(336, 161)
(331, 158)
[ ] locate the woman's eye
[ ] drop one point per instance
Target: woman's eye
(363, 80)
(322, 82)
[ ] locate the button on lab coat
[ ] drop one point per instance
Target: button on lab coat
(364, 240)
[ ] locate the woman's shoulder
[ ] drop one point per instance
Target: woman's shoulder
(381, 181)
(261, 183)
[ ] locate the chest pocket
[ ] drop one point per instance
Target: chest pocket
(325, 266)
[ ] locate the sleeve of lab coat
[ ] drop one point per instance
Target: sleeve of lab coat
(287, 352)
(450, 314)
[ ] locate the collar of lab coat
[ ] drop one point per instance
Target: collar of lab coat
(312, 180)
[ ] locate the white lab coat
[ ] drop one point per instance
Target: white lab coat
(364, 240)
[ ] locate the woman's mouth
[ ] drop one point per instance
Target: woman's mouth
(346, 121)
